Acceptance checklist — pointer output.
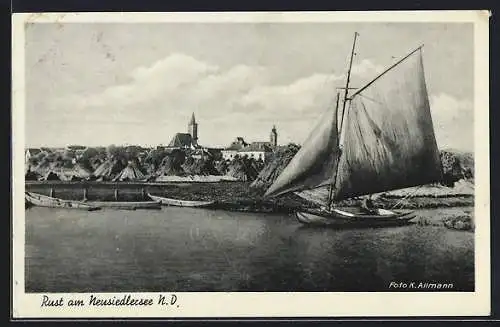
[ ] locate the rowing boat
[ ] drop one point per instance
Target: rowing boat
(340, 218)
(126, 205)
(50, 202)
(181, 203)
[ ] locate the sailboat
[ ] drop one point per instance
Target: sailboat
(385, 141)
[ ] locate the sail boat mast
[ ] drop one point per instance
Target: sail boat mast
(346, 91)
(330, 189)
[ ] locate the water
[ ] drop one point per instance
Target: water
(182, 249)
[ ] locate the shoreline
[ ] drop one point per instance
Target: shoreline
(228, 195)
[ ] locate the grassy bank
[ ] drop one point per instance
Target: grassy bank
(235, 196)
(452, 218)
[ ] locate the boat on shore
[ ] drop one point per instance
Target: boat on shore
(181, 203)
(384, 141)
(126, 205)
(50, 202)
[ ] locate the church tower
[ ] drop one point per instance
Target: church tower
(274, 136)
(193, 129)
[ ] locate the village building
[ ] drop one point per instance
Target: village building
(232, 150)
(254, 150)
(201, 153)
(187, 140)
(181, 141)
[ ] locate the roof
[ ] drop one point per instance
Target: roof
(129, 173)
(33, 151)
(76, 147)
(181, 140)
(237, 144)
(235, 147)
(214, 150)
(77, 171)
(257, 146)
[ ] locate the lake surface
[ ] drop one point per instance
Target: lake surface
(183, 249)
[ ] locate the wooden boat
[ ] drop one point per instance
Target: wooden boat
(181, 203)
(50, 202)
(341, 218)
(385, 142)
(125, 205)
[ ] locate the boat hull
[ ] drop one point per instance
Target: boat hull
(126, 205)
(345, 219)
(181, 203)
(50, 202)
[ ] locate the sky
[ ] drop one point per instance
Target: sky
(118, 83)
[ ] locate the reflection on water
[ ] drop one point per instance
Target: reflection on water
(183, 249)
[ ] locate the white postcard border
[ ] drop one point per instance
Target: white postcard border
(237, 305)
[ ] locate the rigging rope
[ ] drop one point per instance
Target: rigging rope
(406, 197)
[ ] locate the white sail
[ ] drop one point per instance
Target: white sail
(388, 137)
(314, 165)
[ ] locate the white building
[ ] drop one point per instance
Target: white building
(232, 150)
(256, 150)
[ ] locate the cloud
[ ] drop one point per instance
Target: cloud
(366, 68)
(299, 97)
(181, 66)
(453, 122)
(228, 102)
(147, 83)
(183, 80)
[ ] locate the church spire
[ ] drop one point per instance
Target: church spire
(274, 136)
(193, 129)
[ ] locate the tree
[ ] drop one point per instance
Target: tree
(67, 163)
(36, 159)
(90, 153)
(111, 150)
(85, 163)
(178, 157)
(69, 153)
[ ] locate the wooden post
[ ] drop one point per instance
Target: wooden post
(52, 193)
(116, 194)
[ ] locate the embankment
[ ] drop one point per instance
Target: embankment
(236, 196)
